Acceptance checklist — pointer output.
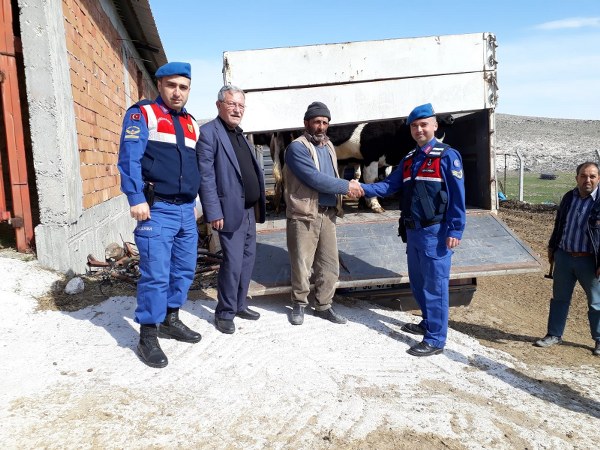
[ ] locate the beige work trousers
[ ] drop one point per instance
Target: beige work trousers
(312, 246)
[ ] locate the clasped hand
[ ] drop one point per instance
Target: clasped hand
(355, 190)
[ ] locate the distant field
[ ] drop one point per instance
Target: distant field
(535, 189)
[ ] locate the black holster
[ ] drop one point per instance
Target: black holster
(402, 229)
(149, 193)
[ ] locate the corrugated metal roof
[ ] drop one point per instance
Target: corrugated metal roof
(139, 23)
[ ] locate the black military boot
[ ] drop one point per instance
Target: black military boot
(173, 328)
(148, 348)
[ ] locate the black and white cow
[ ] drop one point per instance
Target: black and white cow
(370, 145)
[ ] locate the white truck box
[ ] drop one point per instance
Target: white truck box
(375, 81)
(364, 81)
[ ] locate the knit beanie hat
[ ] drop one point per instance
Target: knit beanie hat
(317, 109)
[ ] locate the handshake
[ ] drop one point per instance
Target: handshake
(355, 190)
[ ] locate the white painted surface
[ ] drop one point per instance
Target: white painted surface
(364, 81)
(377, 100)
(359, 61)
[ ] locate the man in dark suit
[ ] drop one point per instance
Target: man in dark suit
(232, 192)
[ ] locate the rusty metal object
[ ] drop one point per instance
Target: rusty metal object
(122, 263)
(93, 262)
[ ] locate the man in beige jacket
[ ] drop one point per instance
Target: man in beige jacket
(313, 191)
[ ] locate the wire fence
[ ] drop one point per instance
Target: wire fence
(541, 181)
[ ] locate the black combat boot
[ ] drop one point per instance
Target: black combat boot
(148, 348)
(173, 328)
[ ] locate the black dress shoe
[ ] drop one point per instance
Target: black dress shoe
(248, 314)
(424, 349)
(413, 328)
(596, 351)
(225, 325)
(174, 328)
(331, 315)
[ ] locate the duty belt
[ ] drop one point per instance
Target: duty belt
(172, 201)
(412, 224)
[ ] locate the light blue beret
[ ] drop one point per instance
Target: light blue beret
(420, 112)
(174, 68)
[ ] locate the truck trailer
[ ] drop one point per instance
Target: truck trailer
(383, 80)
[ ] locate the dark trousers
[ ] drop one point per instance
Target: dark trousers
(567, 271)
(239, 253)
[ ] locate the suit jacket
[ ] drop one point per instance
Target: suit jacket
(221, 187)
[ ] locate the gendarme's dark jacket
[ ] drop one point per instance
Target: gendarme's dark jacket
(425, 197)
(158, 145)
(593, 224)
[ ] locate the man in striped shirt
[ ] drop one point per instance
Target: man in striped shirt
(574, 252)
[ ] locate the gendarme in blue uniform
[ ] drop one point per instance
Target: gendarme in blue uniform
(430, 181)
(158, 146)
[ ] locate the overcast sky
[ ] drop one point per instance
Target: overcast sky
(548, 51)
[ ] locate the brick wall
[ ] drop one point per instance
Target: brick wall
(97, 78)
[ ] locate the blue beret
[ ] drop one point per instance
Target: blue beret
(174, 68)
(420, 112)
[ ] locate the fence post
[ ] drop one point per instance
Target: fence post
(504, 188)
(521, 169)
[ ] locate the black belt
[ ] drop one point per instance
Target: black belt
(324, 209)
(172, 201)
(412, 224)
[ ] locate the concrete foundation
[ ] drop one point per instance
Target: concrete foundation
(65, 248)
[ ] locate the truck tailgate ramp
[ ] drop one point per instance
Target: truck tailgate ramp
(371, 253)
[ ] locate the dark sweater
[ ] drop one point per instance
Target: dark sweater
(244, 158)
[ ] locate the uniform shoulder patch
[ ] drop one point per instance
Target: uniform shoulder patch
(135, 116)
(132, 132)
(457, 174)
